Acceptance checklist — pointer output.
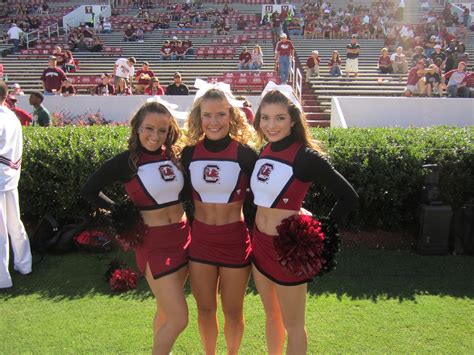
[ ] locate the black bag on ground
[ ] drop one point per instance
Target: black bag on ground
(52, 237)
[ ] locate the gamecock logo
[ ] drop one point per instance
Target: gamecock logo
(211, 173)
(167, 172)
(264, 172)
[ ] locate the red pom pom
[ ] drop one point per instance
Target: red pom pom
(123, 280)
(300, 245)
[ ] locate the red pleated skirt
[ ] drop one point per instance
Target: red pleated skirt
(164, 248)
(227, 245)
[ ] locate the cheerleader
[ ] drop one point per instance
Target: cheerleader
(218, 163)
(153, 182)
(283, 173)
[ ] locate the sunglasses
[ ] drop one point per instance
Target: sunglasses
(177, 77)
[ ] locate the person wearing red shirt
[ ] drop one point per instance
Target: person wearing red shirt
(24, 117)
(276, 26)
(312, 65)
(166, 51)
(180, 51)
(415, 81)
(245, 58)
(143, 78)
(52, 77)
(283, 52)
(154, 88)
(385, 65)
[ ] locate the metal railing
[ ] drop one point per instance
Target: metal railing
(52, 29)
(296, 79)
(31, 37)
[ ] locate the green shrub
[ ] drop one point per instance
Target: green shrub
(383, 165)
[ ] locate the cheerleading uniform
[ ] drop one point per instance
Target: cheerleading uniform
(281, 178)
(219, 172)
(156, 183)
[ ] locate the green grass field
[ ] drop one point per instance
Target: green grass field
(377, 301)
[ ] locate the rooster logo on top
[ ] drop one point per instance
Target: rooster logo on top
(167, 172)
(264, 172)
(211, 173)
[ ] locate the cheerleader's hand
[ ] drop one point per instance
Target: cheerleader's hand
(304, 212)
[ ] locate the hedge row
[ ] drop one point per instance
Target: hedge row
(384, 165)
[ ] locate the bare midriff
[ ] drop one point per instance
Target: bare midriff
(218, 214)
(267, 219)
(164, 216)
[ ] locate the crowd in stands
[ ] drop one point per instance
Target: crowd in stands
(176, 49)
(84, 38)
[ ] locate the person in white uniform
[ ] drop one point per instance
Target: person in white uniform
(11, 226)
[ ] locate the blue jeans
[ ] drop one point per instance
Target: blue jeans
(16, 45)
(335, 70)
(454, 91)
(284, 68)
(255, 66)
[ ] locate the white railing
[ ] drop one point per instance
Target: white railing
(31, 37)
(52, 29)
(298, 86)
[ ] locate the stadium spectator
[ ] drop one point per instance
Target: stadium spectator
(122, 88)
(166, 51)
(105, 88)
(69, 65)
(188, 44)
(143, 78)
(17, 90)
(284, 50)
(416, 80)
(419, 54)
(245, 59)
(352, 60)
(41, 115)
(68, 89)
(312, 65)
(438, 53)
(52, 77)
(433, 80)
(399, 62)
(154, 88)
(97, 44)
(87, 35)
(179, 51)
(178, 87)
(276, 26)
(124, 68)
(457, 85)
(462, 55)
(14, 34)
(246, 108)
(451, 61)
(385, 66)
(130, 34)
(140, 34)
(24, 117)
(60, 56)
(465, 17)
(257, 58)
(335, 64)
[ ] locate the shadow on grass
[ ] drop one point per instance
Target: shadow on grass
(361, 274)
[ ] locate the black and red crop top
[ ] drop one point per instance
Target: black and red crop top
(219, 171)
(284, 172)
(157, 182)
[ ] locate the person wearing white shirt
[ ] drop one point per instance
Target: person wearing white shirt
(14, 34)
(124, 68)
(11, 148)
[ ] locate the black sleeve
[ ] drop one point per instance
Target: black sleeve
(113, 170)
(247, 158)
(311, 166)
(186, 156)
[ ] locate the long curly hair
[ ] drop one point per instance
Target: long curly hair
(239, 130)
(171, 139)
(299, 130)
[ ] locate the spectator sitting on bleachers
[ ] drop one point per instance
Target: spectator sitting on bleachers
(399, 62)
(166, 51)
(429, 46)
(74, 38)
(107, 26)
(451, 61)
(188, 44)
(67, 89)
(416, 80)
(433, 80)
(438, 53)
(88, 35)
(385, 66)
(457, 86)
(140, 34)
(178, 87)
(257, 58)
(461, 53)
(122, 88)
(97, 45)
(335, 64)
(179, 51)
(419, 55)
(60, 56)
(245, 59)
(105, 88)
(294, 27)
(143, 78)
(130, 34)
(241, 23)
(312, 65)
(69, 65)
(154, 88)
